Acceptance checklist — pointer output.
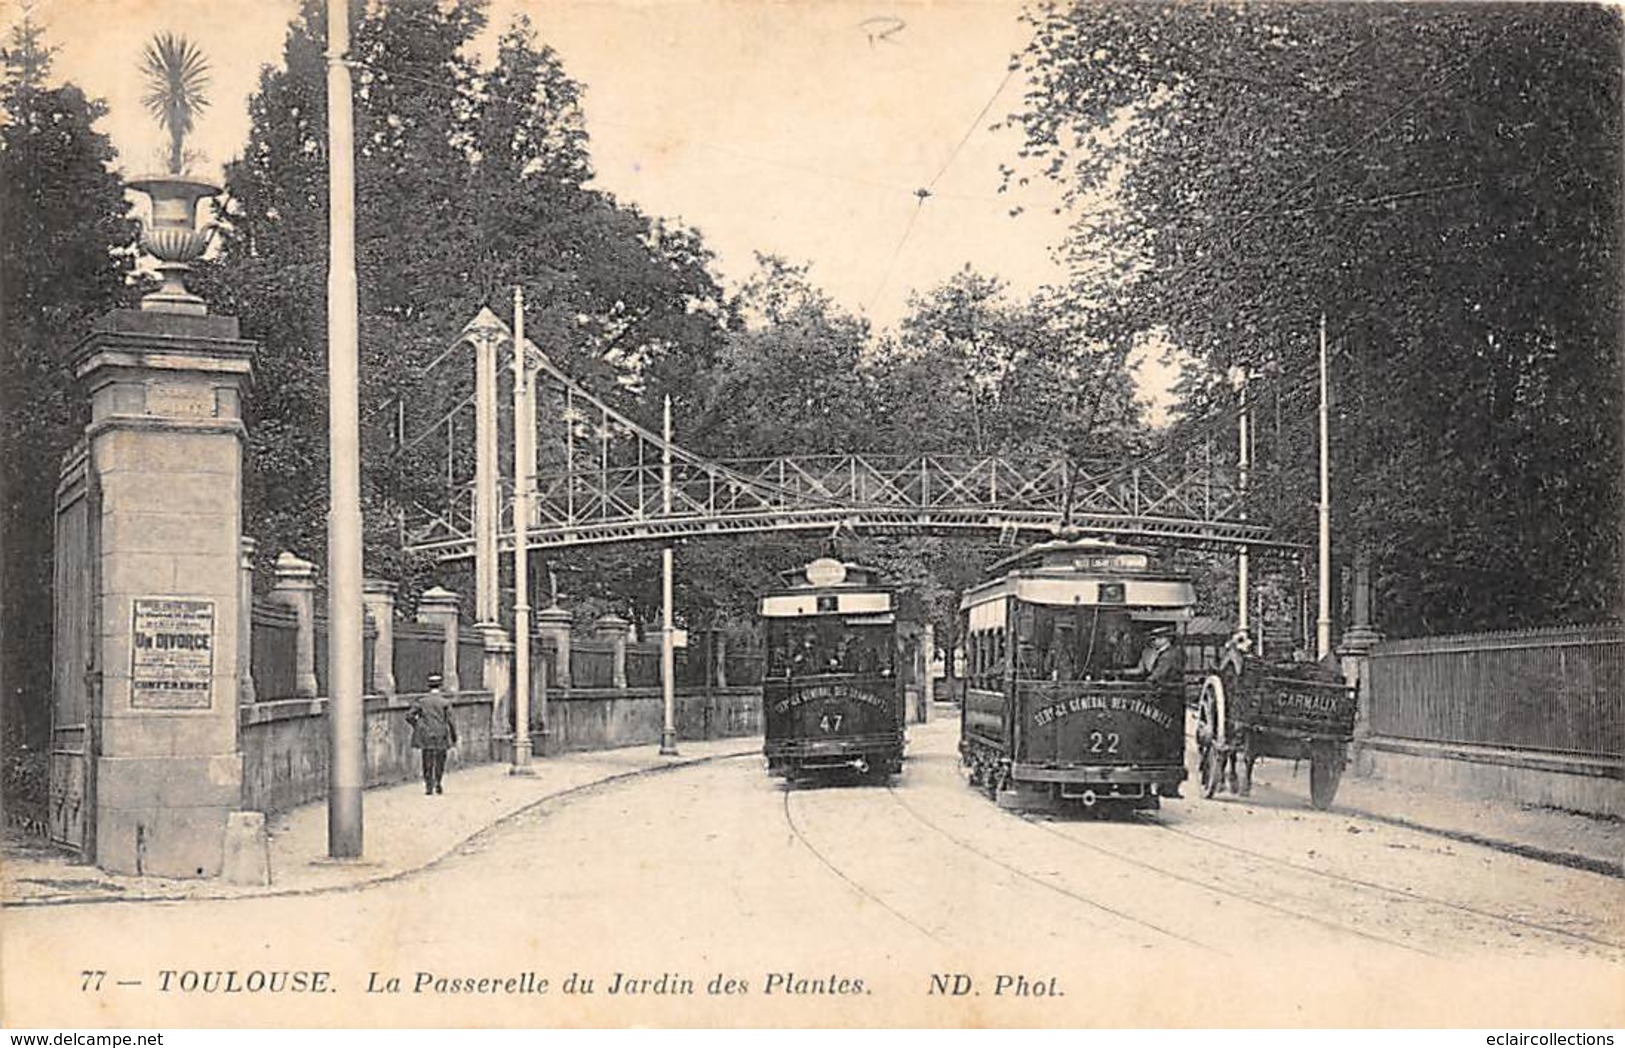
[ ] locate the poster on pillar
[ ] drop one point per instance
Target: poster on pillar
(172, 654)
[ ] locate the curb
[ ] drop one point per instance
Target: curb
(391, 875)
(1572, 860)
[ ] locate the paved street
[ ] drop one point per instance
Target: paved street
(838, 905)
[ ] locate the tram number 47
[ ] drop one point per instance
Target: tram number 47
(1103, 742)
(830, 723)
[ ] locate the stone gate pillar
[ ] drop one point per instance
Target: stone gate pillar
(1355, 653)
(554, 622)
(295, 589)
(245, 624)
(440, 606)
(613, 628)
(165, 443)
(378, 597)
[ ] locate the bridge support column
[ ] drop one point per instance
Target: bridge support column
(498, 680)
(485, 332)
(378, 598)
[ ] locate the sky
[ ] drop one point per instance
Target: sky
(803, 128)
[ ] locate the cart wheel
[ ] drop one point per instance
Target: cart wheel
(1209, 740)
(1325, 772)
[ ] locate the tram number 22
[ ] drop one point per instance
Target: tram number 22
(830, 723)
(1103, 742)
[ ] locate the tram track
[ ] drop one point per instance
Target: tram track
(1388, 889)
(840, 874)
(1094, 904)
(1274, 907)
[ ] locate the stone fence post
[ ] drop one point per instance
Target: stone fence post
(438, 606)
(613, 628)
(554, 622)
(719, 653)
(295, 590)
(378, 597)
(245, 622)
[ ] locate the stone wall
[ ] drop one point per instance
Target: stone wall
(284, 746)
(603, 718)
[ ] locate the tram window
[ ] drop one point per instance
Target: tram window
(1077, 643)
(805, 647)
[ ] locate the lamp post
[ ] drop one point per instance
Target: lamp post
(523, 467)
(1323, 620)
(347, 766)
(668, 686)
(1244, 463)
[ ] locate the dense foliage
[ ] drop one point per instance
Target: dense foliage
(63, 262)
(1442, 182)
(471, 178)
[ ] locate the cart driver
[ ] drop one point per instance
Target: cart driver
(1236, 653)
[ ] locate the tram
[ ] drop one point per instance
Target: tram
(1076, 677)
(831, 695)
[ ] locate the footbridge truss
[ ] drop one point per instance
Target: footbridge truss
(600, 477)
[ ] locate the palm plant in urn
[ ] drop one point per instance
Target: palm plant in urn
(176, 78)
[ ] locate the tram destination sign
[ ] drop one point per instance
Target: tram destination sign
(172, 654)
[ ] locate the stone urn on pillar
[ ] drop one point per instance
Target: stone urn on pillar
(173, 238)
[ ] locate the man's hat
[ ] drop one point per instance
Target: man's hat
(1164, 630)
(435, 680)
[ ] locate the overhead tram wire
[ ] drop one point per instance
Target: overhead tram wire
(929, 189)
(472, 95)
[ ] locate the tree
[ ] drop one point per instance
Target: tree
(177, 79)
(1442, 182)
(472, 178)
(65, 260)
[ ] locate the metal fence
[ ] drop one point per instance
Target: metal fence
(592, 664)
(1558, 690)
(272, 653)
(420, 650)
(470, 659)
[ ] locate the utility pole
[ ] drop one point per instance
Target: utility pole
(346, 775)
(1323, 621)
(523, 435)
(1244, 461)
(668, 686)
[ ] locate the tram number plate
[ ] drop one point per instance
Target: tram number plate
(1103, 742)
(831, 723)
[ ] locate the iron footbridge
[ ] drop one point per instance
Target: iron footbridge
(602, 479)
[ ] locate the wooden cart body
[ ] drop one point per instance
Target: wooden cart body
(1296, 711)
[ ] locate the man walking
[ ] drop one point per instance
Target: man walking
(433, 732)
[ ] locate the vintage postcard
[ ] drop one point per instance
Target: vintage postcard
(717, 513)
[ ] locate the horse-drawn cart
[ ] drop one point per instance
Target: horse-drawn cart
(1252, 708)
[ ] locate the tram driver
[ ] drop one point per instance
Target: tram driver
(1161, 662)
